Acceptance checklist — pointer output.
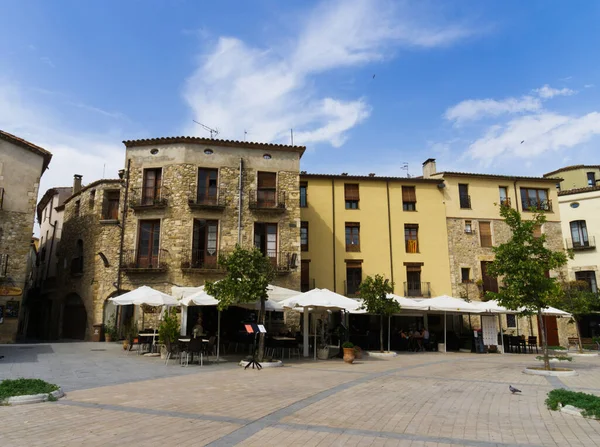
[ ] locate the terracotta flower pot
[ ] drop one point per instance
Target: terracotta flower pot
(349, 355)
(107, 338)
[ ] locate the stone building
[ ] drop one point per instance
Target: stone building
(21, 166)
(181, 202)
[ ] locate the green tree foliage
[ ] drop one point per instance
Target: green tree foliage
(168, 330)
(523, 262)
(576, 298)
(373, 291)
(249, 273)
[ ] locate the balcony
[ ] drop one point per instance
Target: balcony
(536, 205)
(199, 261)
(3, 264)
(283, 261)
(207, 199)
(465, 201)
(144, 264)
(77, 266)
(417, 289)
(140, 201)
(582, 244)
(266, 200)
(1, 197)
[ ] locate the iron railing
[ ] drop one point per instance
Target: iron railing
(196, 259)
(282, 261)
(206, 198)
(418, 289)
(266, 199)
(582, 244)
(141, 200)
(465, 201)
(132, 261)
(536, 204)
(3, 264)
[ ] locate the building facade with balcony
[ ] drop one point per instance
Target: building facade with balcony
(576, 177)
(358, 226)
(21, 166)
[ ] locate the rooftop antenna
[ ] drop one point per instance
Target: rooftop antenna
(404, 167)
(213, 132)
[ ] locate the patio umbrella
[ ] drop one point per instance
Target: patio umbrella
(554, 312)
(318, 299)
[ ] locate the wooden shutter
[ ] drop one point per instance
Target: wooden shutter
(267, 180)
(485, 233)
(408, 194)
(351, 191)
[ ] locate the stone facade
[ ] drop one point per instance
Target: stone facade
(21, 167)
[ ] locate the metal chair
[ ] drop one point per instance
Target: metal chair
(194, 347)
(172, 348)
(532, 343)
(210, 347)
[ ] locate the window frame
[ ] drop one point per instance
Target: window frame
(354, 232)
(583, 235)
(356, 268)
(514, 320)
(151, 193)
(304, 229)
(411, 233)
(462, 275)
(409, 192)
(464, 198)
(591, 178)
(481, 234)
(526, 201)
(303, 194)
(351, 200)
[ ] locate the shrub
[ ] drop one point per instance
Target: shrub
(589, 403)
(23, 387)
(559, 357)
(168, 331)
(348, 345)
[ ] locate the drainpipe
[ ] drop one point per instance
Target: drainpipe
(122, 243)
(516, 195)
(240, 202)
(333, 217)
(387, 186)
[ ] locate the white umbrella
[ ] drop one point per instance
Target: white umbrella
(493, 307)
(553, 311)
(318, 299)
(445, 303)
(277, 293)
(145, 295)
(270, 306)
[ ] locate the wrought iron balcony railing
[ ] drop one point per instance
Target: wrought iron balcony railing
(266, 199)
(465, 201)
(141, 198)
(417, 289)
(536, 204)
(581, 244)
(207, 198)
(133, 261)
(196, 259)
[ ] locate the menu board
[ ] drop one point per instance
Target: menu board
(12, 309)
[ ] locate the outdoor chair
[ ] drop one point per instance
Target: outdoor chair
(194, 347)
(172, 349)
(531, 344)
(210, 347)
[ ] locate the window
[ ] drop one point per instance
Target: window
(465, 274)
(77, 207)
(558, 186)
(353, 277)
(152, 186)
(589, 277)
(351, 196)
(267, 190)
(352, 236)
(511, 320)
(591, 178)
(463, 194)
(504, 200)
(413, 281)
(304, 236)
(411, 238)
(304, 276)
(77, 261)
(535, 199)
(409, 198)
(468, 227)
(490, 283)
(148, 244)
(92, 199)
(111, 205)
(204, 243)
(207, 191)
(265, 239)
(485, 234)
(579, 234)
(303, 194)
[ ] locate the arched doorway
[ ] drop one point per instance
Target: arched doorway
(74, 318)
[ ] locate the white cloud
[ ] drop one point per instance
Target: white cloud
(474, 109)
(46, 60)
(541, 134)
(547, 92)
(268, 91)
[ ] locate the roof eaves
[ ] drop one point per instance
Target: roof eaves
(28, 145)
(497, 176)
(91, 185)
(372, 178)
(567, 192)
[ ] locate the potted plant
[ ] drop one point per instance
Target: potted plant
(168, 331)
(348, 348)
(131, 332)
(358, 352)
(110, 329)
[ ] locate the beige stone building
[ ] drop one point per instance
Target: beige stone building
(21, 166)
(181, 202)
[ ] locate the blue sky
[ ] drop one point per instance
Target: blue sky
(367, 85)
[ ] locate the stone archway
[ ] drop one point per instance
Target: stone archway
(74, 318)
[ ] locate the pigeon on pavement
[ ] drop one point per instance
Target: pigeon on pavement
(513, 389)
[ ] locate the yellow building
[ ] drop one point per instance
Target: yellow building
(577, 176)
(358, 226)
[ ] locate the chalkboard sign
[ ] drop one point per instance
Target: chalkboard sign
(1, 314)
(12, 309)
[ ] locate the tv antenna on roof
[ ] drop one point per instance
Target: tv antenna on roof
(213, 132)
(404, 167)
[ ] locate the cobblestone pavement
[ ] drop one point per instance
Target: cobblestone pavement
(412, 400)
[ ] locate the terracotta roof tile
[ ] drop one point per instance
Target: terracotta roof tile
(28, 145)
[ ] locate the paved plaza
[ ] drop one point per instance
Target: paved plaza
(429, 399)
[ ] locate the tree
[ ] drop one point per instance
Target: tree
(249, 273)
(524, 263)
(576, 298)
(374, 292)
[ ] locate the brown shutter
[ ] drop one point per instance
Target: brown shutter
(351, 191)
(408, 194)
(267, 180)
(485, 232)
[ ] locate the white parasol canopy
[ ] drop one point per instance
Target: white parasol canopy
(145, 295)
(493, 307)
(199, 298)
(278, 294)
(405, 304)
(323, 298)
(445, 303)
(553, 311)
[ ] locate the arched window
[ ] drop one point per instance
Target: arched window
(579, 234)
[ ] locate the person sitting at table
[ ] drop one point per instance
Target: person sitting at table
(198, 329)
(425, 335)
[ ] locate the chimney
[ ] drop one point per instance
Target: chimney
(77, 183)
(429, 167)
(372, 174)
